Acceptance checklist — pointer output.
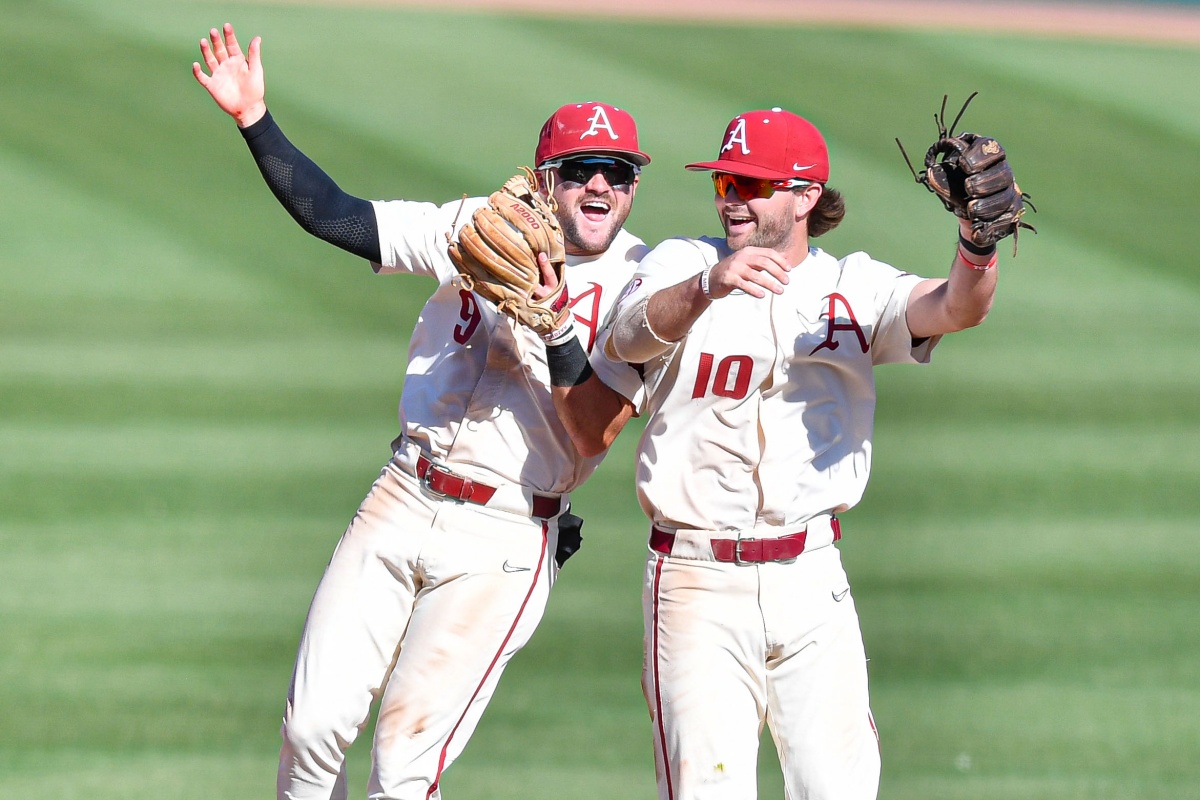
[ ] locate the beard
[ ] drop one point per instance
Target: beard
(774, 231)
(593, 241)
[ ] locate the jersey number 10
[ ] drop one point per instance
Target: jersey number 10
(732, 377)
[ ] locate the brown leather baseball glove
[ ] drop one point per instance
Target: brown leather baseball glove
(971, 175)
(496, 254)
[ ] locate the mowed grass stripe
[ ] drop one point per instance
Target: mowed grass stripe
(349, 361)
(82, 774)
(994, 550)
(193, 451)
(1041, 740)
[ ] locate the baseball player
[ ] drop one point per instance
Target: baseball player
(755, 355)
(443, 573)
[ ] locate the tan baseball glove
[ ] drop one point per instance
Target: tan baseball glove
(496, 254)
(971, 175)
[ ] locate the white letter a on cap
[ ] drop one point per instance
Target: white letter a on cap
(737, 136)
(598, 122)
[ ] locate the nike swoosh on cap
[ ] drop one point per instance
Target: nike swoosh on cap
(799, 168)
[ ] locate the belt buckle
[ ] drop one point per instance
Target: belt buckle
(427, 479)
(737, 551)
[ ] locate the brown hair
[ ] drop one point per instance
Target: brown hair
(827, 213)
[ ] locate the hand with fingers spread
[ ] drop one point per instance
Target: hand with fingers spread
(235, 80)
(753, 270)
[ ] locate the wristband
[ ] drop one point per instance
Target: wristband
(973, 248)
(704, 287)
(568, 362)
(561, 332)
(969, 252)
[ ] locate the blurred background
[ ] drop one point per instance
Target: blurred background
(195, 395)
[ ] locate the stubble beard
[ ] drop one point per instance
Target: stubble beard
(774, 231)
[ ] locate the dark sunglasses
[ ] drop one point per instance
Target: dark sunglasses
(752, 188)
(616, 172)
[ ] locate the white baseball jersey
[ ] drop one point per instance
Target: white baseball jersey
(426, 599)
(759, 427)
(477, 392)
(770, 398)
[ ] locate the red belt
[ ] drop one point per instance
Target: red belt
(746, 551)
(442, 481)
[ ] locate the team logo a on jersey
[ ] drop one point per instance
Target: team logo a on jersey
(585, 307)
(599, 122)
(834, 323)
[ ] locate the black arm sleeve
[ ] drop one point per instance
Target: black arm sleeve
(312, 198)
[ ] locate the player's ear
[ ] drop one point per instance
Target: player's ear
(634, 184)
(806, 198)
(545, 181)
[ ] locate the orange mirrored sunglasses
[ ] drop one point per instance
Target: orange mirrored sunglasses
(752, 188)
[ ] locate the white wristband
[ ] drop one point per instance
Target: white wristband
(560, 334)
(704, 287)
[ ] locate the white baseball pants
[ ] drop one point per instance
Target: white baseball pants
(731, 647)
(422, 605)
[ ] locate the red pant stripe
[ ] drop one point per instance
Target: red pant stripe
(433, 787)
(662, 731)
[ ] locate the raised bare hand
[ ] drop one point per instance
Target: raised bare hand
(234, 80)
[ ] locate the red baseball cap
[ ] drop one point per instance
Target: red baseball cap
(589, 128)
(774, 145)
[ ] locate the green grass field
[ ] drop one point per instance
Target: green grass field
(195, 395)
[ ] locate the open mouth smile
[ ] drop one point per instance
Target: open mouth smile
(595, 209)
(738, 221)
